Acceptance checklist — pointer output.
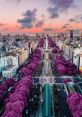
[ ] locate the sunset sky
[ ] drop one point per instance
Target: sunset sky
(22, 16)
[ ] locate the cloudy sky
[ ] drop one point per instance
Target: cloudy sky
(40, 15)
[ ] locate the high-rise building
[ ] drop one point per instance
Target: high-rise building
(71, 34)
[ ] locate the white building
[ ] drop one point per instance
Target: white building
(8, 60)
(9, 71)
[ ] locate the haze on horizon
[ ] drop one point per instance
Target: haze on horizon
(40, 15)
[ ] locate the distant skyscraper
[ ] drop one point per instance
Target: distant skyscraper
(71, 34)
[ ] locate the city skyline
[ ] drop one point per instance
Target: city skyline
(23, 16)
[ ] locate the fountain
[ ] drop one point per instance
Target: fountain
(46, 68)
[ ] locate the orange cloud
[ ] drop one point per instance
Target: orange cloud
(15, 28)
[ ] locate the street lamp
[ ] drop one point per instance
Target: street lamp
(79, 63)
(29, 47)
